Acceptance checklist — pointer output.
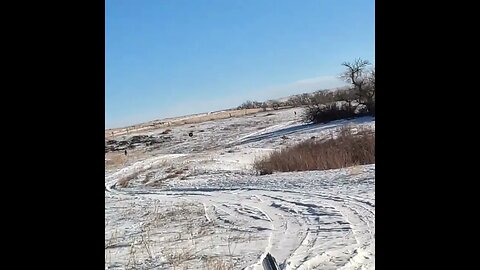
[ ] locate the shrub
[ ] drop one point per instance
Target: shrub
(330, 112)
(347, 149)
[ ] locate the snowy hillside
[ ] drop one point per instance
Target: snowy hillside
(194, 202)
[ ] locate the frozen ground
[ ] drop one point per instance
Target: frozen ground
(195, 203)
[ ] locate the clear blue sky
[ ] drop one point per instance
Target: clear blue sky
(167, 58)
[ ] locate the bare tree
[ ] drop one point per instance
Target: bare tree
(355, 72)
(363, 82)
(304, 99)
(264, 106)
(371, 79)
(274, 104)
(246, 105)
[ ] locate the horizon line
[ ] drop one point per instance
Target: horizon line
(217, 110)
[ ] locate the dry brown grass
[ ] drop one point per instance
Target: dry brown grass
(173, 175)
(114, 160)
(188, 120)
(177, 257)
(355, 170)
(348, 149)
(126, 180)
(160, 182)
(117, 159)
(148, 177)
(217, 264)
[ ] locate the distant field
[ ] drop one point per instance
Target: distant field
(178, 121)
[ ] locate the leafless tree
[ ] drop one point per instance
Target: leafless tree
(362, 80)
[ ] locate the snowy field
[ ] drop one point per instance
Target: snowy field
(196, 203)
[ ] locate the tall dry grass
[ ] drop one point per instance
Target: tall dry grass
(347, 149)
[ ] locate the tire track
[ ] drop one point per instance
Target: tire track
(313, 220)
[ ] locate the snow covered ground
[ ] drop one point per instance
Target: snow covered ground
(195, 202)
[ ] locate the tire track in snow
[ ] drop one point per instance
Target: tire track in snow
(316, 220)
(296, 229)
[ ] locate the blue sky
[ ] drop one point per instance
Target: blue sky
(167, 58)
